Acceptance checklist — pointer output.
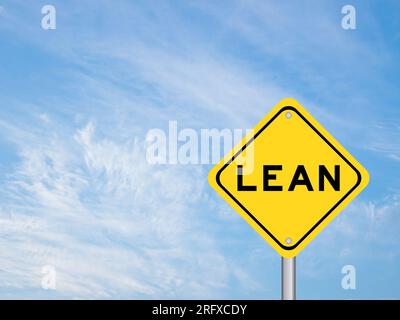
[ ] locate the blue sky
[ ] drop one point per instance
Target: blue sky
(76, 104)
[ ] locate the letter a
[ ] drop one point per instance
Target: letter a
(349, 20)
(49, 20)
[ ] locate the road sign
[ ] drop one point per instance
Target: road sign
(288, 178)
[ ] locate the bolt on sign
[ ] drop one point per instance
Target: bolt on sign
(288, 178)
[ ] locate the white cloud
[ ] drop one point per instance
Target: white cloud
(111, 224)
(82, 197)
(364, 229)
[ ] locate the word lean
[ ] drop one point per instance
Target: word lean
(300, 178)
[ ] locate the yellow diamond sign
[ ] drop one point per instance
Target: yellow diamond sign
(288, 178)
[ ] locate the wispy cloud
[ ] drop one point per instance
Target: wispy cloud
(81, 196)
(110, 223)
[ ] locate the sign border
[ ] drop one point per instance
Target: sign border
(285, 247)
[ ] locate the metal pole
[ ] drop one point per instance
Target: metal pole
(288, 278)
